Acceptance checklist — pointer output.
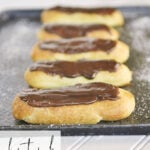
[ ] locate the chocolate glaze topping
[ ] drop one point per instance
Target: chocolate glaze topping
(102, 11)
(88, 69)
(72, 95)
(70, 31)
(78, 45)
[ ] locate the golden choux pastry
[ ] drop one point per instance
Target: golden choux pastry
(80, 104)
(68, 15)
(80, 48)
(58, 31)
(46, 75)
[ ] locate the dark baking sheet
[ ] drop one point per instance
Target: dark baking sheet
(17, 35)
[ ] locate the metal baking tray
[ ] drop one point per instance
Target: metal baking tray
(18, 30)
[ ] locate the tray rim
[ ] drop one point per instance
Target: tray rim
(76, 130)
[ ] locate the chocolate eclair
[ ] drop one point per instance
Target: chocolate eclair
(64, 73)
(80, 48)
(79, 104)
(68, 15)
(58, 31)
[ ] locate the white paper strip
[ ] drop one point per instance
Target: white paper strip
(30, 140)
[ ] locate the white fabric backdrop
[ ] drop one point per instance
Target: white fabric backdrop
(7, 4)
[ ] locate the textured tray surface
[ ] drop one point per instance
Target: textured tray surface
(17, 36)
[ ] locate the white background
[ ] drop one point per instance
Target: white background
(46, 3)
(89, 142)
(12, 140)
